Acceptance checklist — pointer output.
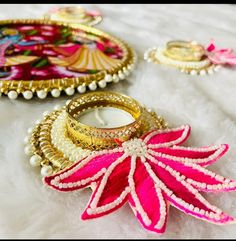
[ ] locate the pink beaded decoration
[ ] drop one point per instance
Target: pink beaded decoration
(150, 173)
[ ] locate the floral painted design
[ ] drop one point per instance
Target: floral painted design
(40, 48)
(150, 173)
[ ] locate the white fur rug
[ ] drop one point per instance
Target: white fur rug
(29, 210)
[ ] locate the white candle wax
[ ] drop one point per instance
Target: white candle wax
(105, 117)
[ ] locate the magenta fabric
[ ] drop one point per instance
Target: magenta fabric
(150, 173)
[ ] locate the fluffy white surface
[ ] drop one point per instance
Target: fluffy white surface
(30, 210)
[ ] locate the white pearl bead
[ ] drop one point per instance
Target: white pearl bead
(81, 89)
(131, 67)
(121, 75)
(217, 68)
(46, 171)
(93, 86)
(35, 160)
(57, 107)
(193, 72)
(26, 140)
(55, 93)
(42, 94)
(37, 122)
(29, 150)
(203, 72)
(102, 83)
(45, 113)
(70, 91)
(126, 72)
(108, 78)
(210, 71)
(12, 95)
(28, 94)
(30, 130)
(115, 78)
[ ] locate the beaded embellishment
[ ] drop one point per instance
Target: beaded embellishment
(150, 173)
(191, 57)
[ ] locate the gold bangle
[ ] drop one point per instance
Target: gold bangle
(98, 138)
(184, 51)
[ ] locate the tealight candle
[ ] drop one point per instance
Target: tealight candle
(99, 119)
(105, 117)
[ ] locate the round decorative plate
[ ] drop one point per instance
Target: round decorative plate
(43, 56)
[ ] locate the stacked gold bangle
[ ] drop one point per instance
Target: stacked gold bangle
(99, 138)
(184, 51)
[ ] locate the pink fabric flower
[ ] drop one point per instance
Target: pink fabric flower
(220, 56)
(150, 173)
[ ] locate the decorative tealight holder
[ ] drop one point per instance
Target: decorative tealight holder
(74, 15)
(190, 57)
(110, 143)
(39, 57)
(94, 121)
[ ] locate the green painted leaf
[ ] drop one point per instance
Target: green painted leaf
(40, 63)
(27, 52)
(60, 41)
(92, 71)
(66, 34)
(32, 32)
(110, 50)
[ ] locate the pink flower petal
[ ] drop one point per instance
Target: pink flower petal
(169, 137)
(151, 209)
(196, 175)
(82, 173)
(111, 192)
(186, 198)
(202, 156)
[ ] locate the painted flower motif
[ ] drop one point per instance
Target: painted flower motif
(16, 72)
(150, 173)
(221, 56)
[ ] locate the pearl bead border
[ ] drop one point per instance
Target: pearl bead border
(181, 203)
(65, 144)
(42, 93)
(202, 68)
